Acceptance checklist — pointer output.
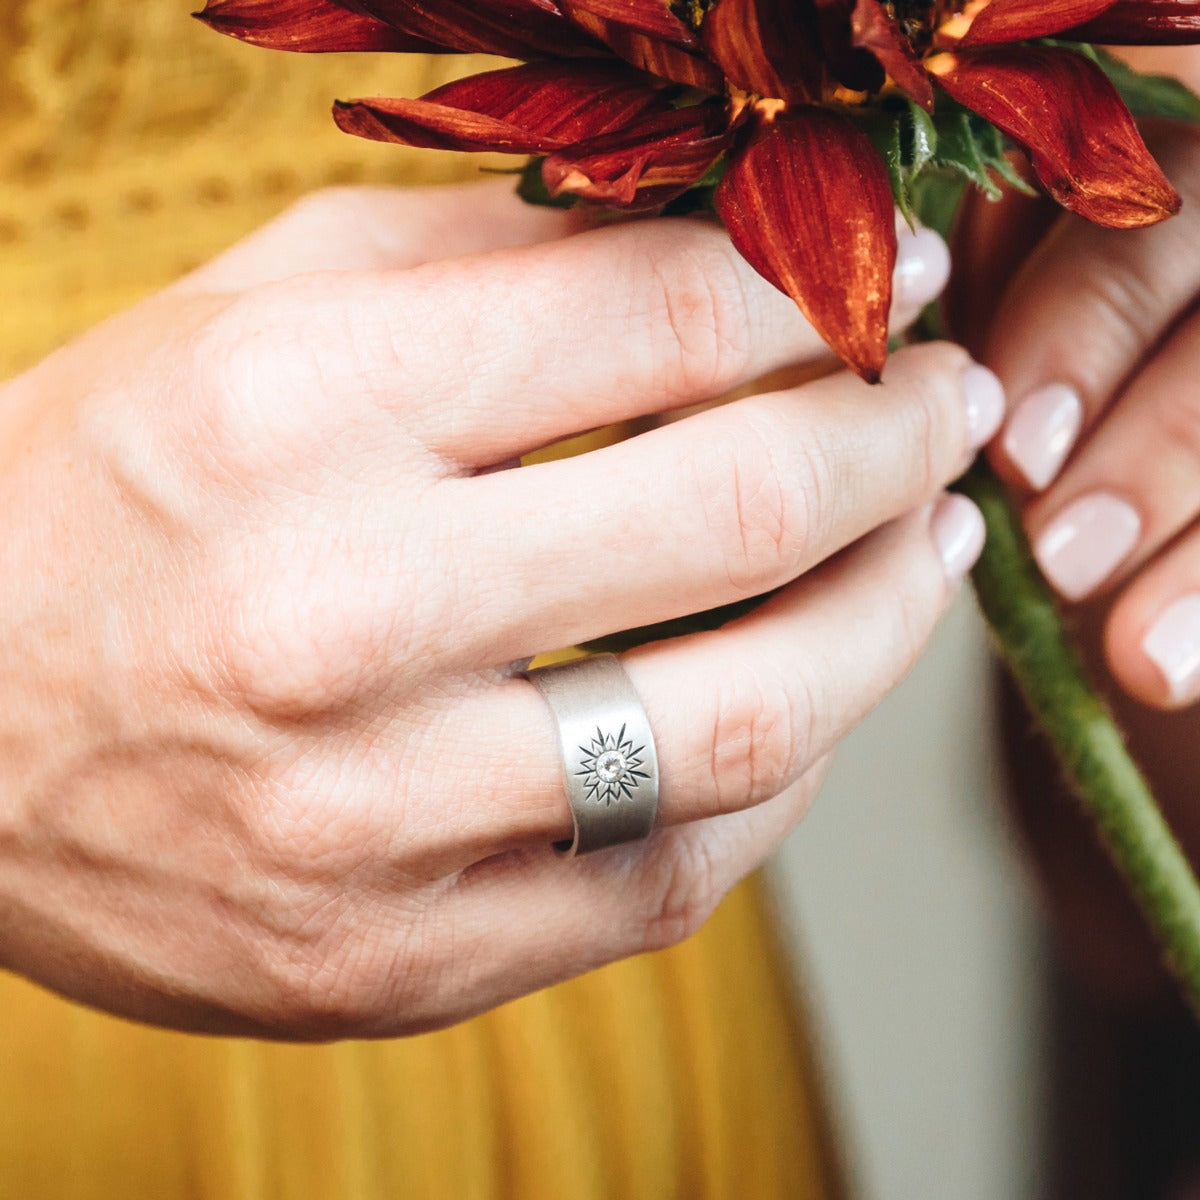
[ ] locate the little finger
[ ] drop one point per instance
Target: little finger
(564, 917)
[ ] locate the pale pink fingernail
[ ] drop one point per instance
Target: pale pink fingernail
(922, 268)
(1042, 431)
(1086, 543)
(1172, 643)
(984, 394)
(958, 532)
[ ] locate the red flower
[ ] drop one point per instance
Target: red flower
(633, 101)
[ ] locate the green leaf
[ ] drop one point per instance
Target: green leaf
(937, 196)
(1145, 95)
(959, 150)
(906, 138)
(883, 128)
(532, 187)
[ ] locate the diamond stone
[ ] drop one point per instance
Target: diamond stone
(610, 766)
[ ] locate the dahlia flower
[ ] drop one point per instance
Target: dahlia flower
(630, 103)
(800, 122)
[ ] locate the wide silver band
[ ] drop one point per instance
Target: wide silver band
(610, 767)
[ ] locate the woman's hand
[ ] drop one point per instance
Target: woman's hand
(1098, 342)
(266, 765)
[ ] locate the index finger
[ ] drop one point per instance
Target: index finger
(494, 355)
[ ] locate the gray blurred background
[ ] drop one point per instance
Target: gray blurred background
(911, 917)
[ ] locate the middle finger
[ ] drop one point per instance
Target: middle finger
(721, 506)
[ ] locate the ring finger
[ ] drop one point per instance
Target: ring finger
(738, 713)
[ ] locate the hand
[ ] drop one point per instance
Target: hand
(266, 766)
(1098, 341)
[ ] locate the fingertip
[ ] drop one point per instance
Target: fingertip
(1154, 651)
(959, 532)
(987, 404)
(1041, 432)
(922, 268)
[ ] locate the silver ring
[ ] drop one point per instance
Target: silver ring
(610, 766)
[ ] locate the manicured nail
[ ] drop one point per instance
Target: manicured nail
(1172, 643)
(1086, 543)
(958, 532)
(1041, 432)
(922, 268)
(984, 394)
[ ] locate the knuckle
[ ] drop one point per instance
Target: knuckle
(286, 653)
(704, 311)
(327, 983)
(758, 512)
(334, 959)
(762, 729)
(685, 888)
(307, 994)
(274, 398)
(248, 361)
(1122, 310)
(1179, 424)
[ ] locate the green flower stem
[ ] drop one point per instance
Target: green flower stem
(1029, 630)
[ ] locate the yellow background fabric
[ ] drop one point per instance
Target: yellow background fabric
(134, 144)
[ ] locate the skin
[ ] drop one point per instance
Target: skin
(267, 765)
(1113, 314)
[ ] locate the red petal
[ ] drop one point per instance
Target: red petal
(1084, 145)
(808, 203)
(1017, 20)
(875, 31)
(851, 66)
(659, 158)
(307, 25)
(531, 109)
(650, 17)
(512, 28)
(1143, 23)
(654, 55)
(768, 47)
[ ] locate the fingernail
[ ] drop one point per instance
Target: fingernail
(1172, 643)
(922, 268)
(1086, 543)
(958, 532)
(984, 394)
(1042, 431)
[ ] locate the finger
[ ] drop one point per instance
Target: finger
(1083, 312)
(1152, 639)
(377, 228)
(490, 357)
(738, 714)
(563, 917)
(1108, 514)
(724, 505)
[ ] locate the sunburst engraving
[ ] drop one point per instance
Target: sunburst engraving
(611, 767)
